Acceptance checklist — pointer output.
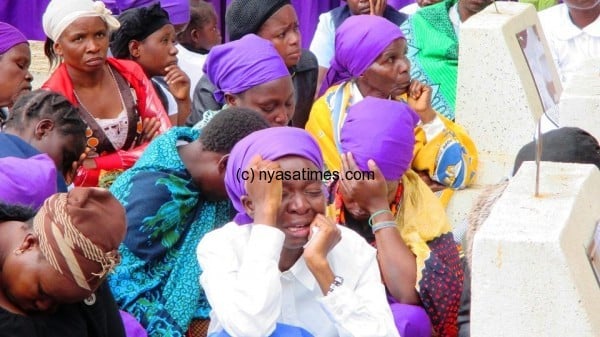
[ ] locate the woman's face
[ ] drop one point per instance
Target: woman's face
(355, 210)
(358, 7)
(14, 74)
(301, 201)
(274, 100)
(31, 283)
(84, 44)
(157, 51)
(283, 31)
(390, 73)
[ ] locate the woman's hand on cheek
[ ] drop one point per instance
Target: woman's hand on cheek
(325, 235)
(264, 193)
(369, 194)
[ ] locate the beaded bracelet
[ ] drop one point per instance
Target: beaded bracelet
(381, 211)
(383, 224)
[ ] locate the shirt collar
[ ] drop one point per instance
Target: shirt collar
(568, 29)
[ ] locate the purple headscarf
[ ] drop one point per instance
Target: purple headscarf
(271, 144)
(237, 66)
(27, 181)
(358, 43)
(382, 130)
(10, 37)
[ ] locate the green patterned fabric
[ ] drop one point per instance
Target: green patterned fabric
(167, 215)
(433, 52)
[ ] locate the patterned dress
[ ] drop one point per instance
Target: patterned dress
(157, 280)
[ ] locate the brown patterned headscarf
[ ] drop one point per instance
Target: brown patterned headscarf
(79, 234)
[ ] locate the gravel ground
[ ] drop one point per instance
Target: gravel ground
(39, 63)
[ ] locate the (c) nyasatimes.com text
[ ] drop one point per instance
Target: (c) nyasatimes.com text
(304, 174)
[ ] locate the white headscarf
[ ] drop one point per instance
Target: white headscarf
(61, 13)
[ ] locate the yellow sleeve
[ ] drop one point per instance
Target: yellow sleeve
(450, 158)
(319, 125)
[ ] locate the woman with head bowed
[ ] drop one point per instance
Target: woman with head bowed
(249, 73)
(57, 257)
(277, 22)
(281, 268)
(116, 99)
(44, 122)
(15, 58)
(395, 211)
(370, 60)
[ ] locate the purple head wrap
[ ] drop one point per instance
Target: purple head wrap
(10, 37)
(358, 43)
(27, 181)
(382, 130)
(237, 66)
(272, 144)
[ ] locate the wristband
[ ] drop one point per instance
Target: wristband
(381, 211)
(337, 281)
(383, 224)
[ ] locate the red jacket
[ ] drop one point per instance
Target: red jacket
(149, 106)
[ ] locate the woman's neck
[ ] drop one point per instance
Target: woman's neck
(584, 17)
(288, 258)
(82, 79)
(369, 91)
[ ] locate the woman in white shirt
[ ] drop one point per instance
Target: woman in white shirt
(281, 264)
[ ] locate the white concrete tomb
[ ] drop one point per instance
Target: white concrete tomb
(531, 275)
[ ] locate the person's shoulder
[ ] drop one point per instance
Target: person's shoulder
(352, 240)
(223, 238)
(307, 62)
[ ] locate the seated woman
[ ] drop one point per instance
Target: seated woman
(249, 73)
(147, 37)
(43, 267)
(396, 212)
(370, 60)
(116, 100)
(174, 195)
(45, 122)
(263, 275)
(15, 58)
(277, 22)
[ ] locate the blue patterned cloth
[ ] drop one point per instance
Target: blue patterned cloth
(158, 278)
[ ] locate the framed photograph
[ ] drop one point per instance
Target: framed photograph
(533, 50)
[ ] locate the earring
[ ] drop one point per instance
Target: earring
(18, 251)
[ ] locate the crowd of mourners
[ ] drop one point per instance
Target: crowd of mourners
(131, 197)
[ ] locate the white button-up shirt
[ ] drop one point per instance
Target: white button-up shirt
(570, 45)
(249, 295)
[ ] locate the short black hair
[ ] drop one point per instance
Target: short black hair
(229, 126)
(10, 212)
(44, 104)
(564, 145)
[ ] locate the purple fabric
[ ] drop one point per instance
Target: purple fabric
(179, 10)
(133, 328)
(27, 15)
(10, 37)
(358, 43)
(271, 144)
(382, 130)
(237, 66)
(411, 320)
(27, 181)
